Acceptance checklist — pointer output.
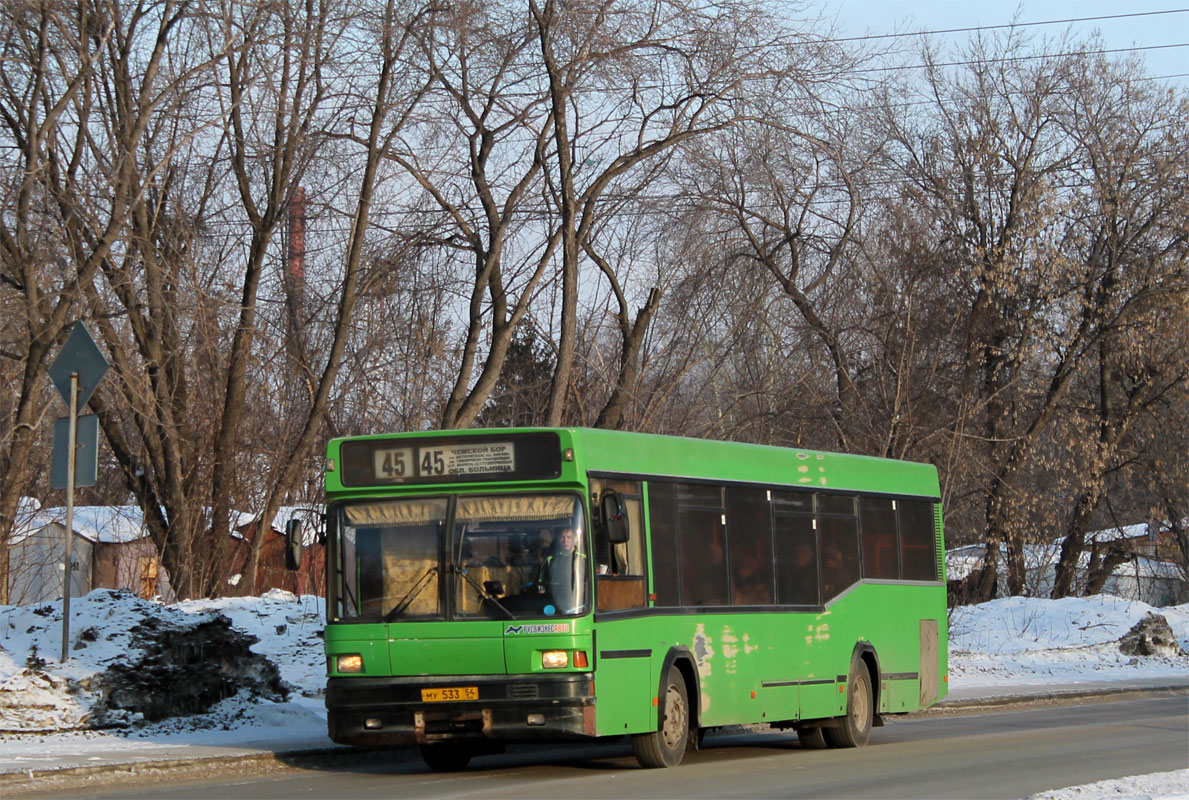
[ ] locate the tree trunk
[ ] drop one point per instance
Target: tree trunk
(629, 359)
(1102, 565)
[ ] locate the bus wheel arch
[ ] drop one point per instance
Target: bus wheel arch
(678, 704)
(854, 728)
(680, 658)
(865, 652)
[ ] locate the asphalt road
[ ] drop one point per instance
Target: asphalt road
(1008, 754)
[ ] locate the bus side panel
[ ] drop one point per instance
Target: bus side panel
(823, 648)
(905, 625)
(625, 678)
(773, 666)
(747, 665)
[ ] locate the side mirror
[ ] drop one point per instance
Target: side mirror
(293, 544)
(615, 517)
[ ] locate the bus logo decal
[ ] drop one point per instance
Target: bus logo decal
(555, 627)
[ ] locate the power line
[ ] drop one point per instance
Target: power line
(1010, 59)
(1008, 25)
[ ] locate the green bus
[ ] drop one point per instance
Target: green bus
(492, 586)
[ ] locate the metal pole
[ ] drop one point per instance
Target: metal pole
(71, 449)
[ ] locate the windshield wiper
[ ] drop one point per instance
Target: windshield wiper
(410, 595)
(483, 592)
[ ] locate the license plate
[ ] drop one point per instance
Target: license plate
(452, 693)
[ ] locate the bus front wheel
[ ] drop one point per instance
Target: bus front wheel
(665, 746)
(855, 727)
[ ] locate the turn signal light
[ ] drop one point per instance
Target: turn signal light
(580, 659)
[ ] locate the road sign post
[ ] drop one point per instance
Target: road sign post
(66, 565)
(75, 372)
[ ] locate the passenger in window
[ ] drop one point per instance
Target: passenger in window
(562, 572)
(752, 587)
(805, 574)
(803, 556)
(542, 546)
(831, 571)
(522, 559)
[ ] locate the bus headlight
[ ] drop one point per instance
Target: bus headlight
(348, 663)
(555, 659)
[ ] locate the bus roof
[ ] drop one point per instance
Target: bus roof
(652, 455)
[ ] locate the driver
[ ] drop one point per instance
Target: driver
(562, 572)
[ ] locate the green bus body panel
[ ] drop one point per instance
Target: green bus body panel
(791, 661)
(751, 666)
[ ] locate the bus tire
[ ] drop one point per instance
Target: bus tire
(446, 757)
(811, 738)
(855, 727)
(665, 746)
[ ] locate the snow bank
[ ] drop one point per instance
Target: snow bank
(1020, 640)
(116, 659)
(1157, 786)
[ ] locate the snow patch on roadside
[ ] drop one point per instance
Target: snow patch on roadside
(1020, 640)
(1157, 786)
(133, 662)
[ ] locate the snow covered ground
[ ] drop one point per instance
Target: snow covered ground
(1157, 786)
(1021, 640)
(48, 708)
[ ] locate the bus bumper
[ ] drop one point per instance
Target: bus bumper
(387, 712)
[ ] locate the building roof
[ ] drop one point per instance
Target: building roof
(106, 524)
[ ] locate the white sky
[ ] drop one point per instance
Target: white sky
(865, 17)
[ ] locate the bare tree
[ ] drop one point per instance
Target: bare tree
(690, 72)
(219, 173)
(1129, 232)
(71, 186)
(1000, 174)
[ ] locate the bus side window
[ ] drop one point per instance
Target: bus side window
(703, 556)
(749, 535)
(839, 537)
(662, 523)
(620, 567)
(701, 530)
(917, 540)
(877, 517)
(796, 560)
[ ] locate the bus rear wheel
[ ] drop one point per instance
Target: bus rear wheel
(446, 757)
(665, 746)
(855, 727)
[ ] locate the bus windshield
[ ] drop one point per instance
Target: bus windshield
(507, 557)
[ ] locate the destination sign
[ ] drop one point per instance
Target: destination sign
(401, 463)
(524, 456)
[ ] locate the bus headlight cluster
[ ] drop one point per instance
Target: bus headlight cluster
(555, 659)
(352, 662)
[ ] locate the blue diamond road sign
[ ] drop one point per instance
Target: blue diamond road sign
(80, 354)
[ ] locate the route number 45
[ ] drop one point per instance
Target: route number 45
(433, 463)
(393, 464)
(401, 463)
